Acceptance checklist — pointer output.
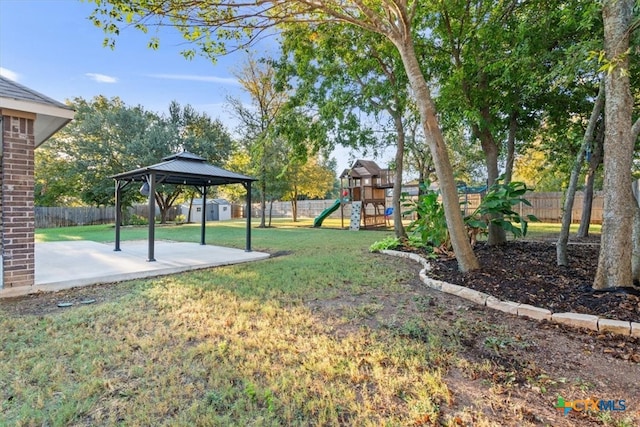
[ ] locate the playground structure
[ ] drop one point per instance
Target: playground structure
(364, 185)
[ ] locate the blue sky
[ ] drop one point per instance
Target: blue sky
(51, 46)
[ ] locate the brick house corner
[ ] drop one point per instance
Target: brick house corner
(27, 119)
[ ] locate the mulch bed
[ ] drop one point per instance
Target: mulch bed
(526, 272)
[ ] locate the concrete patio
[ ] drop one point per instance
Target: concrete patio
(63, 265)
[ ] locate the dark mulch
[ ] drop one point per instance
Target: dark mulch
(526, 272)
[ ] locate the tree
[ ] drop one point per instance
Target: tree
(307, 179)
(200, 134)
(189, 130)
(589, 137)
(56, 180)
(239, 161)
(94, 147)
(108, 137)
(343, 74)
(614, 262)
(258, 125)
(594, 160)
(493, 61)
(209, 27)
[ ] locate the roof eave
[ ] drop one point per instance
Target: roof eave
(49, 118)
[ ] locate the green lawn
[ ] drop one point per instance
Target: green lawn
(234, 346)
(231, 233)
(226, 346)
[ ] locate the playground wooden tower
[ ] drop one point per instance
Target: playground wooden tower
(365, 184)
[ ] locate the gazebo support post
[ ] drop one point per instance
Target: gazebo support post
(247, 186)
(203, 218)
(182, 169)
(151, 180)
(118, 214)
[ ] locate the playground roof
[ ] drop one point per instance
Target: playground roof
(362, 169)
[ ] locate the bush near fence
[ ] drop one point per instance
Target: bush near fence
(547, 207)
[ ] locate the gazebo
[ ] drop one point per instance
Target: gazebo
(181, 169)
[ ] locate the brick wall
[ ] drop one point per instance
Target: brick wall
(16, 205)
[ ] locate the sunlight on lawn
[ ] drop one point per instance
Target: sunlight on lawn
(195, 352)
(233, 345)
(250, 344)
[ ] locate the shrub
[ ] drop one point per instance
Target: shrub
(137, 220)
(497, 208)
(388, 243)
(430, 225)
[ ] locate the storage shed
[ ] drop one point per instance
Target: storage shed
(216, 210)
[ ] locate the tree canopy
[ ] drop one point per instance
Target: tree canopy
(510, 72)
(108, 137)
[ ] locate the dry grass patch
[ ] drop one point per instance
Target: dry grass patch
(174, 353)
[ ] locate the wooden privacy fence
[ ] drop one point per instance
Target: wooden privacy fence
(46, 217)
(547, 207)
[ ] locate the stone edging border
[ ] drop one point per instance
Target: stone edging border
(588, 321)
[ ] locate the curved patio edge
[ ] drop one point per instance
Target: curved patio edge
(576, 320)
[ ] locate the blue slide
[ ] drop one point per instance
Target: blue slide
(325, 213)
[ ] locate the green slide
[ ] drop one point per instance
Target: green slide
(325, 213)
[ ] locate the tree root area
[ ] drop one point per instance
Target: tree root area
(526, 272)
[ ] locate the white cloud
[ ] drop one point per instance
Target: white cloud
(11, 75)
(101, 78)
(190, 77)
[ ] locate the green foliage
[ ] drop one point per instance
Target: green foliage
(108, 137)
(413, 241)
(136, 220)
(497, 208)
(385, 244)
(430, 225)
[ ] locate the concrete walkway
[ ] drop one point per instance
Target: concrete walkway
(63, 265)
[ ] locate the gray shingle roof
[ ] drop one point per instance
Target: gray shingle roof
(51, 115)
(187, 169)
(14, 90)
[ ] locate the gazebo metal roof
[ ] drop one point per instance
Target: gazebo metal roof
(180, 169)
(185, 168)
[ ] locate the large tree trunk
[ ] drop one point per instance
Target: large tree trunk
(587, 203)
(563, 238)
(497, 234)
(614, 263)
(459, 240)
(511, 147)
(190, 207)
(294, 209)
(263, 203)
(398, 227)
(635, 256)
